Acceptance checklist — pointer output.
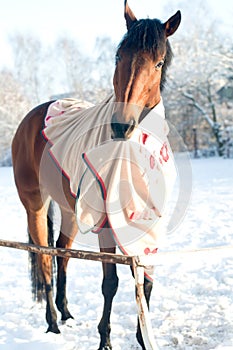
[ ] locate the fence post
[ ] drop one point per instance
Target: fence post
(143, 312)
(195, 143)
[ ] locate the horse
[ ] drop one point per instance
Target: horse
(142, 59)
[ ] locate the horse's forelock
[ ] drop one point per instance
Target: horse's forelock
(147, 35)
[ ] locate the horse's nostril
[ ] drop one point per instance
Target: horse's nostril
(119, 130)
(132, 125)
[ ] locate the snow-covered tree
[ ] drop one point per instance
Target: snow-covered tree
(202, 64)
(13, 106)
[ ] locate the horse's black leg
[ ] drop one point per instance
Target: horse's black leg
(51, 315)
(61, 299)
(65, 240)
(109, 289)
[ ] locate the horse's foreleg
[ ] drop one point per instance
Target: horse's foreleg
(109, 289)
(65, 240)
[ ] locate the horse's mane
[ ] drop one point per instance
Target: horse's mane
(148, 35)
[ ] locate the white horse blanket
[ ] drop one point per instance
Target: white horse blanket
(124, 183)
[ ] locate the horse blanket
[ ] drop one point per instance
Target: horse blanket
(124, 183)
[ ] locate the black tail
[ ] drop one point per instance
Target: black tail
(38, 289)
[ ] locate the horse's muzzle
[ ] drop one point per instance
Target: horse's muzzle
(122, 130)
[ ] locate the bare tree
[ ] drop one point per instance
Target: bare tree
(200, 67)
(104, 67)
(73, 67)
(28, 59)
(13, 107)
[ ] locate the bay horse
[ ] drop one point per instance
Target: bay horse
(142, 58)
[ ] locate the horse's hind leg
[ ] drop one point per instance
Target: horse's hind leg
(68, 231)
(37, 225)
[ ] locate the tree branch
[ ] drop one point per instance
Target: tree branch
(199, 108)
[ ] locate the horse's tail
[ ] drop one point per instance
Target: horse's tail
(37, 284)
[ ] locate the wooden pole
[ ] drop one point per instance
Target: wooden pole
(70, 253)
(143, 312)
(134, 261)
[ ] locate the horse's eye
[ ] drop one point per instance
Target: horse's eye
(159, 65)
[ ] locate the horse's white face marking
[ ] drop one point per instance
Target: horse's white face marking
(137, 86)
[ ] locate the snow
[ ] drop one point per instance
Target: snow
(192, 298)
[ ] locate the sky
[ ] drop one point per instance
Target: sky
(87, 19)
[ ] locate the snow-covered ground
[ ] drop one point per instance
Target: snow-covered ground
(192, 299)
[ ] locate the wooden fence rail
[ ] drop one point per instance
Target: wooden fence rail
(70, 253)
(137, 262)
(155, 259)
(143, 312)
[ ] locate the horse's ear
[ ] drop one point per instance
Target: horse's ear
(172, 24)
(129, 16)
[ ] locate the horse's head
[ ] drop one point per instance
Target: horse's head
(141, 61)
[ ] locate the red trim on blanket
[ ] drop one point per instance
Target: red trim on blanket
(102, 188)
(97, 176)
(148, 277)
(116, 240)
(101, 226)
(74, 195)
(45, 137)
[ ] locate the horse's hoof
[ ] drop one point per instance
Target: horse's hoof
(54, 329)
